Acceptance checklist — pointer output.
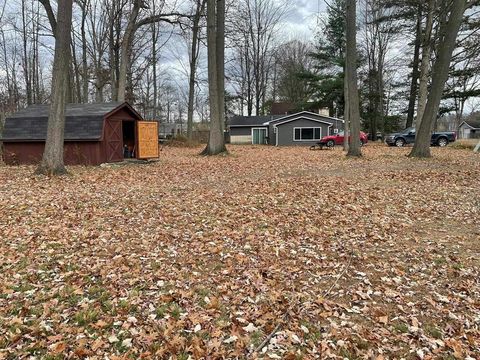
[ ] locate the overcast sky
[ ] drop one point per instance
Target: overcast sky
(301, 20)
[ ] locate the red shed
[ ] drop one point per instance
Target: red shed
(94, 134)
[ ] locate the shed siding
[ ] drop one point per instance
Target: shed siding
(285, 132)
(88, 144)
(75, 153)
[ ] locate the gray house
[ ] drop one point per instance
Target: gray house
(469, 129)
(300, 129)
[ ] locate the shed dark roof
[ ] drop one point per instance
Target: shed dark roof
(252, 120)
(83, 121)
(474, 123)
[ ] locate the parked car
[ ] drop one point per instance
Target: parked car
(407, 136)
(338, 139)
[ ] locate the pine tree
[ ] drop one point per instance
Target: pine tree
(326, 79)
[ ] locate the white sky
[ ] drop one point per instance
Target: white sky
(301, 20)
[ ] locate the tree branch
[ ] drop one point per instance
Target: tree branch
(161, 18)
(51, 16)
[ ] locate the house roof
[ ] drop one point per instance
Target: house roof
(305, 115)
(249, 121)
(82, 121)
(473, 123)
(238, 121)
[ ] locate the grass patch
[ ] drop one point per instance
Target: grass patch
(256, 338)
(401, 327)
(432, 331)
(86, 317)
(125, 307)
(465, 144)
(172, 309)
(68, 295)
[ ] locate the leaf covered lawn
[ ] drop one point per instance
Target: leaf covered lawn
(310, 253)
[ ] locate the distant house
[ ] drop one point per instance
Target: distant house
(469, 129)
(94, 134)
(299, 129)
(170, 130)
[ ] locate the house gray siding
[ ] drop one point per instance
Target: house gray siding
(243, 134)
(285, 132)
(240, 131)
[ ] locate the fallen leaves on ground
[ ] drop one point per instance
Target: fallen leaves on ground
(196, 257)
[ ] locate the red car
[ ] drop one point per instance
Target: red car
(337, 139)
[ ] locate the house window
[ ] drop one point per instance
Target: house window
(307, 134)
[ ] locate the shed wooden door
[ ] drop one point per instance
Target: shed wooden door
(147, 135)
(113, 140)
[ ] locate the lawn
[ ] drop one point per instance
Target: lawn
(310, 253)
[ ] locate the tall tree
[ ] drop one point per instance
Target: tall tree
(293, 61)
(351, 80)
(377, 37)
(216, 76)
(326, 78)
(52, 161)
(415, 69)
(425, 63)
(135, 22)
(194, 54)
(448, 32)
(254, 28)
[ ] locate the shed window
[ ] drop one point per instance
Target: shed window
(307, 134)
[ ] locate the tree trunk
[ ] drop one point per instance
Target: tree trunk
(154, 68)
(415, 71)
(52, 161)
(215, 26)
(193, 66)
(352, 87)
(220, 53)
(112, 52)
(125, 49)
(84, 55)
(425, 64)
(440, 71)
(26, 67)
(346, 115)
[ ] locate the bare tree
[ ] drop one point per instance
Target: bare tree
(351, 80)
(377, 37)
(425, 63)
(135, 22)
(194, 54)
(254, 28)
(52, 161)
(216, 75)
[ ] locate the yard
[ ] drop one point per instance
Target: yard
(313, 254)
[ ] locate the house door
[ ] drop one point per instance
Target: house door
(259, 136)
(113, 140)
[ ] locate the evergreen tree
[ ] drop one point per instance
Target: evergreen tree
(327, 78)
